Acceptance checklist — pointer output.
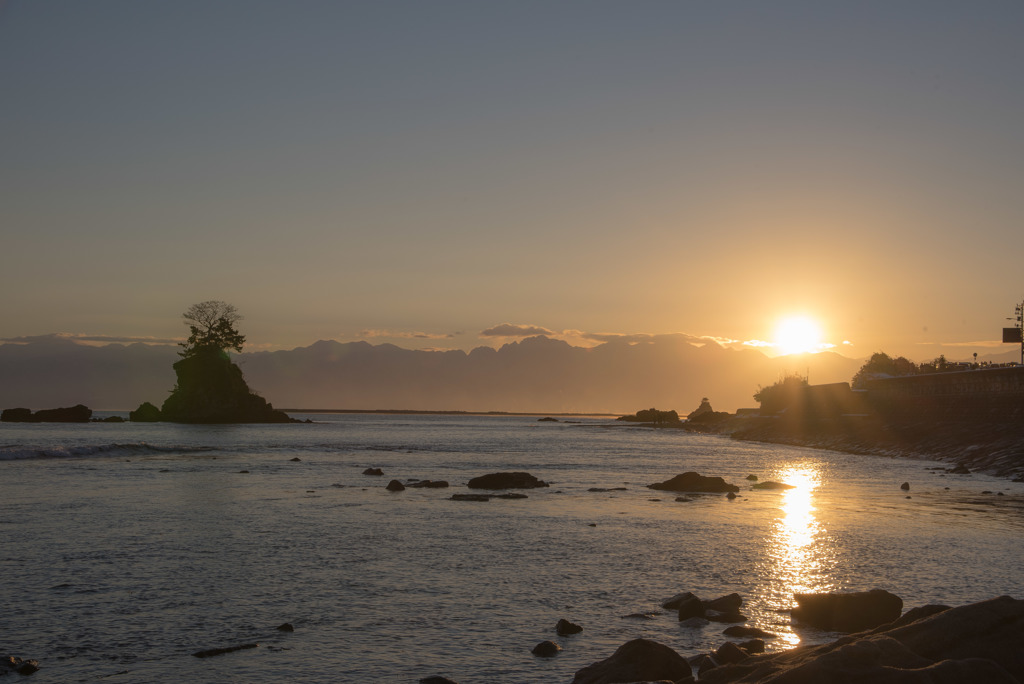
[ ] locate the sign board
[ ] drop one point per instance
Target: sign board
(1012, 335)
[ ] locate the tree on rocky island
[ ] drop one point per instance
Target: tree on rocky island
(212, 324)
(210, 387)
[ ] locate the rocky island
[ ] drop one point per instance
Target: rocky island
(210, 387)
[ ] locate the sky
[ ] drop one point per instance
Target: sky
(452, 174)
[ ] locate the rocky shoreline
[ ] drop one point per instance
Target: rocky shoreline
(995, 447)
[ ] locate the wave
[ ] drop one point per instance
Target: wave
(18, 453)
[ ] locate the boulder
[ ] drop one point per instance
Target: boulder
(429, 484)
(470, 497)
(729, 603)
(691, 608)
(850, 612)
(546, 649)
(436, 679)
(285, 627)
(694, 482)
(752, 646)
(729, 653)
(10, 664)
(146, 413)
(16, 415)
(395, 486)
(635, 661)
(377, 472)
(743, 631)
(565, 628)
(775, 486)
(506, 481)
(905, 486)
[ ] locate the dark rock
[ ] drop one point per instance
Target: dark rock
(429, 484)
(395, 486)
(694, 623)
(23, 667)
(702, 663)
(905, 486)
(16, 415)
(683, 499)
(73, 414)
(773, 486)
(635, 661)
(752, 646)
(546, 649)
(112, 419)
(752, 478)
(506, 481)
(607, 489)
(470, 497)
(652, 416)
(295, 460)
(565, 628)
(373, 471)
(964, 645)
(677, 600)
(221, 651)
(730, 496)
(852, 612)
(286, 627)
(511, 495)
(691, 608)
(742, 631)
(211, 389)
(726, 617)
(694, 482)
(730, 603)
(547, 419)
(146, 413)
(437, 680)
(729, 653)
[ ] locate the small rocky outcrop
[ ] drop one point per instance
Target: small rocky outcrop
(652, 416)
(9, 664)
(636, 661)
(694, 482)
(546, 649)
(377, 472)
(436, 679)
(429, 484)
(773, 486)
(742, 632)
(146, 413)
(517, 480)
(395, 486)
(72, 414)
(566, 628)
(849, 612)
(211, 389)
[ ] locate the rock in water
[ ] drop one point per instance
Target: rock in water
(546, 649)
(565, 628)
(852, 612)
(395, 486)
(506, 481)
(211, 389)
(694, 482)
(636, 661)
(146, 413)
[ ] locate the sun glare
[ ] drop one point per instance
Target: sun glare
(797, 335)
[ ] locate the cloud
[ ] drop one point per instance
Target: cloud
(510, 330)
(90, 339)
(408, 335)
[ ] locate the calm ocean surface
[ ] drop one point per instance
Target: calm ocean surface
(126, 547)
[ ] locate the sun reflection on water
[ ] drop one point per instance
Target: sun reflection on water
(797, 546)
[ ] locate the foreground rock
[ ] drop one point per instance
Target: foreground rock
(852, 612)
(694, 482)
(636, 661)
(73, 414)
(965, 645)
(506, 481)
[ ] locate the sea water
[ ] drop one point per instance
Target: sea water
(125, 548)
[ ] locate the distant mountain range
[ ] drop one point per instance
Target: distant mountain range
(536, 374)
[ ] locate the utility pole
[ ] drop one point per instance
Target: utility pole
(1016, 333)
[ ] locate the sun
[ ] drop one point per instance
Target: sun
(797, 335)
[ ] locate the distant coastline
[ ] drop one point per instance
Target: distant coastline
(415, 412)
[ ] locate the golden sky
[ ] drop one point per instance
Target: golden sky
(418, 173)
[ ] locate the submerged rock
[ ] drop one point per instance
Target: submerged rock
(373, 471)
(546, 649)
(773, 486)
(636, 661)
(470, 497)
(694, 482)
(850, 612)
(221, 651)
(429, 484)
(516, 480)
(23, 667)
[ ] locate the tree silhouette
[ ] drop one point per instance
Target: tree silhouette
(213, 327)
